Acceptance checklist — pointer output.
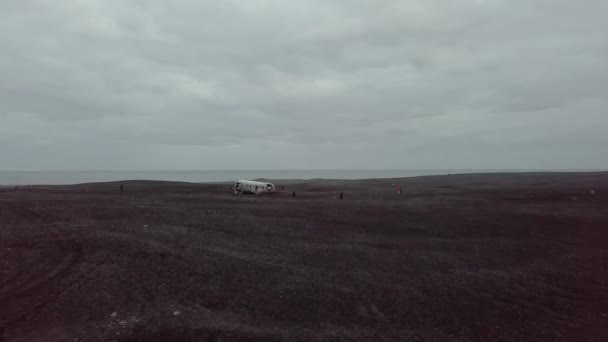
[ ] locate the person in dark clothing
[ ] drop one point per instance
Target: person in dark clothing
(293, 194)
(341, 195)
(121, 188)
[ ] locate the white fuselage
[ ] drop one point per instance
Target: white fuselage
(251, 187)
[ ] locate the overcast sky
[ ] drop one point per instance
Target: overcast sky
(315, 84)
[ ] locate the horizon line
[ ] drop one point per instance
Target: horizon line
(330, 169)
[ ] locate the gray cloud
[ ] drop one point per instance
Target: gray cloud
(283, 84)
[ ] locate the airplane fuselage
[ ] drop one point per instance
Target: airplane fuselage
(251, 187)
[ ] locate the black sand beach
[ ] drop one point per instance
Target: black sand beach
(480, 257)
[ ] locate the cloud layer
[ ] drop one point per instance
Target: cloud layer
(260, 84)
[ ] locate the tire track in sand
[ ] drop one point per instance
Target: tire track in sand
(33, 288)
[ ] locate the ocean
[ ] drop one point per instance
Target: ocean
(76, 177)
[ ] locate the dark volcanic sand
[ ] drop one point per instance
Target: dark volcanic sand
(507, 257)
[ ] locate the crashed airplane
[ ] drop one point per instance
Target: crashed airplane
(241, 187)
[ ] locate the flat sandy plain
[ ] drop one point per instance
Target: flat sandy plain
(478, 257)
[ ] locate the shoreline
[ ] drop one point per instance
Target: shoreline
(307, 180)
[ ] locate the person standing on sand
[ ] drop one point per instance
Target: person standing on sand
(341, 195)
(293, 194)
(399, 189)
(121, 188)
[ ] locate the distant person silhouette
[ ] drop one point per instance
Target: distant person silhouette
(121, 188)
(341, 195)
(293, 194)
